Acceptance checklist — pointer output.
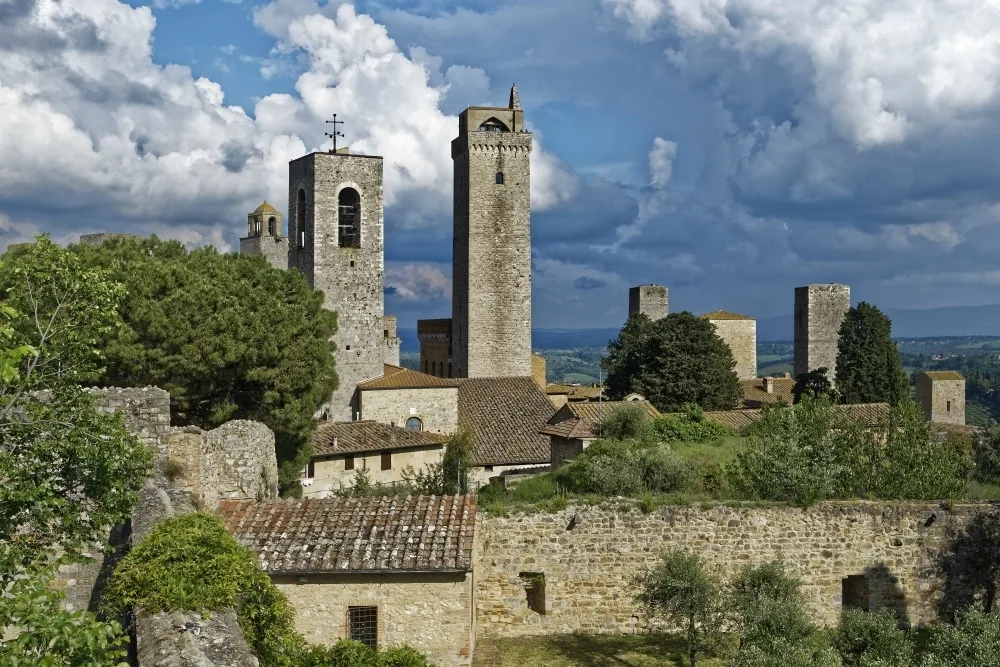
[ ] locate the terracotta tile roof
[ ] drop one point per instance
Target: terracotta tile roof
(574, 392)
(504, 416)
(396, 377)
(416, 533)
(367, 436)
(740, 419)
(725, 315)
(579, 420)
(754, 394)
(943, 375)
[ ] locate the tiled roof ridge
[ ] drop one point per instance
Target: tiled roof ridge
(726, 315)
(943, 375)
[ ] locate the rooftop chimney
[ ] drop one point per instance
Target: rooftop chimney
(769, 385)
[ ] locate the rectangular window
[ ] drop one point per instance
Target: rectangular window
(386, 460)
(302, 239)
(311, 470)
(363, 625)
(854, 592)
(349, 462)
(948, 407)
(489, 468)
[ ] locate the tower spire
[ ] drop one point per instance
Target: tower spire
(515, 101)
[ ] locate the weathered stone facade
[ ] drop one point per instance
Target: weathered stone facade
(588, 556)
(650, 300)
(336, 225)
(739, 332)
(436, 407)
(435, 347)
(538, 366)
(432, 612)
(941, 395)
(819, 311)
(391, 340)
(491, 276)
(331, 473)
(264, 236)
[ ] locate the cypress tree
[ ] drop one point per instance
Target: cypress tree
(869, 369)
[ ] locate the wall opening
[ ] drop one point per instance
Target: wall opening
(300, 218)
(499, 178)
(349, 462)
(363, 625)
(855, 593)
(414, 424)
(386, 460)
(948, 407)
(349, 218)
(272, 224)
(534, 589)
(493, 125)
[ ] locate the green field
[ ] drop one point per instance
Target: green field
(577, 650)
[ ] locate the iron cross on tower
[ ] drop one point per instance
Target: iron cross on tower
(335, 132)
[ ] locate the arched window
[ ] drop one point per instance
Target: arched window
(349, 218)
(499, 178)
(414, 424)
(300, 218)
(271, 223)
(434, 368)
(493, 125)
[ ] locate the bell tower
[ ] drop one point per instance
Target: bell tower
(491, 275)
(264, 236)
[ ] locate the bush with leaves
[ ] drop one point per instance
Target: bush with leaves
(814, 383)
(766, 605)
(681, 590)
(621, 468)
(626, 421)
(688, 425)
(972, 641)
(873, 639)
(350, 653)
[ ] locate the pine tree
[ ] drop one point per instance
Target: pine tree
(869, 369)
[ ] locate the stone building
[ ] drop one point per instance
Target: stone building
(819, 311)
(941, 395)
(575, 425)
(408, 398)
(650, 300)
(264, 236)
(491, 276)
(739, 332)
(391, 341)
(758, 392)
(387, 452)
(561, 394)
(384, 571)
(435, 347)
(336, 230)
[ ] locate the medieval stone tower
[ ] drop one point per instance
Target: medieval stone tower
(941, 395)
(491, 297)
(335, 225)
(819, 311)
(650, 300)
(264, 236)
(739, 332)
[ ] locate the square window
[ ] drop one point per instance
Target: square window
(349, 462)
(363, 625)
(311, 470)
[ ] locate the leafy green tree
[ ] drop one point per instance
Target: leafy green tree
(869, 369)
(766, 605)
(815, 382)
(790, 454)
(873, 639)
(681, 590)
(228, 336)
(676, 360)
(972, 641)
(67, 471)
(456, 462)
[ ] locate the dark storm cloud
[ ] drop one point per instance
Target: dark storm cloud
(587, 283)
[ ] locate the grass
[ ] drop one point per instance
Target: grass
(652, 650)
(983, 491)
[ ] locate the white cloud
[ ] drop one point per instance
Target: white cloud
(661, 162)
(417, 281)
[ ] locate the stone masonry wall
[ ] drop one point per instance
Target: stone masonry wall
(272, 248)
(433, 613)
(741, 337)
(650, 300)
(819, 311)
(491, 304)
(943, 401)
(437, 408)
(351, 279)
(588, 556)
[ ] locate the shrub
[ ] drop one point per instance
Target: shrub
(873, 638)
(627, 421)
(616, 468)
(689, 425)
(973, 641)
(767, 605)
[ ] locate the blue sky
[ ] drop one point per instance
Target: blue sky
(730, 149)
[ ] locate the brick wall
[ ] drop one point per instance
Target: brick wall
(433, 613)
(588, 556)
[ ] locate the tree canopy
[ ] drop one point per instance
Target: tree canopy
(228, 336)
(869, 369)
(814, 383)
(675, 360)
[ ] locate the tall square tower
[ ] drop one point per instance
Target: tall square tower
(650, 300)
(941, 395)
(491, 275)
(335, 228)
(819, 312)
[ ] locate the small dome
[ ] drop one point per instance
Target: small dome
(265, 209)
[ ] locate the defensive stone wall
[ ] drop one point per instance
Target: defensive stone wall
(572, 571)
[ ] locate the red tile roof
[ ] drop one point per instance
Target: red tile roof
(740, 419)
(580, 420)
(368, 436)
(504, 416)
(332, 535)
(755, 395)
(396, 377)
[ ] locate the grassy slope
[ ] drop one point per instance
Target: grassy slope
(654, 650)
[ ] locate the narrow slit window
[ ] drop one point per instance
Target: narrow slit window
(386, 460)
(363, 625)
(349, 462)
(311, 470)
(499, 178)
(948, 407)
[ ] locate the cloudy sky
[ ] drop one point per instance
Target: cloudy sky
(730, 149)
